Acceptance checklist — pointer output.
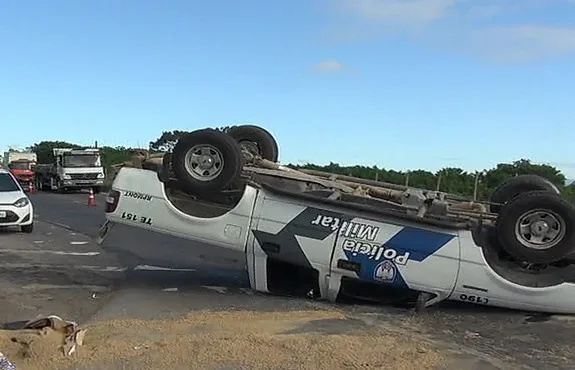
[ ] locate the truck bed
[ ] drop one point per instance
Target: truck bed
(224, 202)
(348, 193)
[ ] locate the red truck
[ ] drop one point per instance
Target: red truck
(21, 164)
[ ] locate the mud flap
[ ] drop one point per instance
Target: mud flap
(104, 229)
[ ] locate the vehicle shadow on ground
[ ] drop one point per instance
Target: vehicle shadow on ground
(9, 230)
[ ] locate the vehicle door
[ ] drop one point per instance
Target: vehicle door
(389, 252)
(286, 231)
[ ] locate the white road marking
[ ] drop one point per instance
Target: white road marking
(219, 289)
(158, 268)
(38, 241)
(170, 290)
(104, 269)
(78, 243)
(568, 318)
(62, 225)
(42, 266)
(94, 288)
(120, 269)
(45, 251)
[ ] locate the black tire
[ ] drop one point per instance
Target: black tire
(97, 189)
(555, 206)
(518, 185)
(266, 144)
(228, 150)
(28, 229)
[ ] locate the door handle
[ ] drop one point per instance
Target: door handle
(349, 265)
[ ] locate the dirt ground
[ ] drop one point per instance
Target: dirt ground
(242, 339)
(134, 316)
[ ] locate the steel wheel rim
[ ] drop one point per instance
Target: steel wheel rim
(204, 162)
(540, 229)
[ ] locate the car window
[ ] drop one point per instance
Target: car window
(7, 183)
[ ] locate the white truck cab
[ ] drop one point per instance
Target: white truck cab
(72, 169)
(318, 249)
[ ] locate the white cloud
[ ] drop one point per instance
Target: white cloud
(524, 43)
(329, 66)
(476, 26)
(411, 12)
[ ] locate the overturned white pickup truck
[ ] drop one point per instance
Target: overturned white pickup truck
(326, 236)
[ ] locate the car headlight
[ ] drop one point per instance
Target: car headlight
(100, 175)
(22, 202)
(66, 177)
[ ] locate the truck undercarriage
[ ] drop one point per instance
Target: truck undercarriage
(526, 228)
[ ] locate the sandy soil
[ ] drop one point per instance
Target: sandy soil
(241, 339)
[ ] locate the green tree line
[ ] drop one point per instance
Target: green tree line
(450, 179)
(110, 155)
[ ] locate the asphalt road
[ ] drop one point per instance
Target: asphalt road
(55, 270)
(72, 212)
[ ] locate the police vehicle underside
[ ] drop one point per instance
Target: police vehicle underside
(525, 232)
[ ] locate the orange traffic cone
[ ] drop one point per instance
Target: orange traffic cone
(91, 198)
(30, 187)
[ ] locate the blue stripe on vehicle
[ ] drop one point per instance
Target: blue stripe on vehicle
(419, 243)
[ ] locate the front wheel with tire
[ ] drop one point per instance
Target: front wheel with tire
(256, 140)
(519, 185)
(537, 227)
(207, 161)
(27, 228)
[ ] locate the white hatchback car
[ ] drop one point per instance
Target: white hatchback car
(15, 206)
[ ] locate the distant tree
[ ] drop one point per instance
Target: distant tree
(569, 192)
(110, 155)
(167, 140)
(505, 171)
(115, 155)
(43, 149)
(452, 180)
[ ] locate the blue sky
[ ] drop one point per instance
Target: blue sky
(400, 84)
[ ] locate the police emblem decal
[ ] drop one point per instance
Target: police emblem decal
(385, 272)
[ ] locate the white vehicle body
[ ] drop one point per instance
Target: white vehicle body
(72, 169)
(15, 206)
(337, 245)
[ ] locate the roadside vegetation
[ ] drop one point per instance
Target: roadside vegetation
(450, 179)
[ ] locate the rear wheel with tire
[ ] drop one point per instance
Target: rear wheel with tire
(518, 185)
(537, 227)
(207, 161)
(256, 140)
